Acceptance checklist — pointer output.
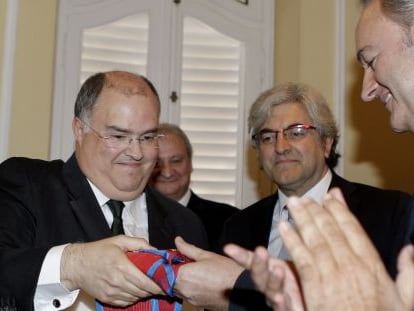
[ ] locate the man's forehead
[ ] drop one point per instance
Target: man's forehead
(371, 14)
(365, 29)
(173, 139)
(127, 84)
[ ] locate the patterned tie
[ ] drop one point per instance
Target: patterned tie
(284, 253)
(116, 209)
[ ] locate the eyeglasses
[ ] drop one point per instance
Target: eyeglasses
(294, 132)
(120, 141)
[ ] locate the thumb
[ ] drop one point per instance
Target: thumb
(242, 256)
(187, 249)
(130, 243)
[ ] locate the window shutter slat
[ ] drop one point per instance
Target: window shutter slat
(120, 45)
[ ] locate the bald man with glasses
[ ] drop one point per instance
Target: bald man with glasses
(66, 226)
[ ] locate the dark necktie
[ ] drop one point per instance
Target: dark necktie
(116, 209)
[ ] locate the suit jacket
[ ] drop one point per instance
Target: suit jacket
(386, 215)
(44, 204)
(213, 215)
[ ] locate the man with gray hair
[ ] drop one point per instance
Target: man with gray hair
(384, 42)
(295, 135)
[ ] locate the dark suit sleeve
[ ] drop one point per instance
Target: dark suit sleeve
(20, 262)
(400, 232)
(245, 297)
(409, 237)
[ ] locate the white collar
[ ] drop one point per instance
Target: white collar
(185, 198)
(102, 198)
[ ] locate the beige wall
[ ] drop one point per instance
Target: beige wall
(2, 27)
(33, 76)
(304, 43)
(304, 51)
(374, 154)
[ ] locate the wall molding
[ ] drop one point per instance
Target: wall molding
(6, 100)
(340, 75)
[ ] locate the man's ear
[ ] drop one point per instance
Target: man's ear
(328, 146)
(77, 128)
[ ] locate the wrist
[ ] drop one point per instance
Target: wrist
(69, 265)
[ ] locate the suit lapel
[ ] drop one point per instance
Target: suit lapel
(254, 225)
(83, 202)
(159, 229)
(263, 224)
(347, 189)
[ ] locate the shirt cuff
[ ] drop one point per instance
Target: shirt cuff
(50, 293)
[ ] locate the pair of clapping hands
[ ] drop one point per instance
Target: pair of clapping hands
(337, 265)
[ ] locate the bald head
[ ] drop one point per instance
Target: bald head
(123, 82)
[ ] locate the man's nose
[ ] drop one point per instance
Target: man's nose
(134, 150)
(369, 86)
(166, 170)
(281, 144)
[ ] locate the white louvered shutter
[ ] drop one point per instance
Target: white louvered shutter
(210, 105)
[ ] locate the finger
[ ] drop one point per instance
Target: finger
(274, 281)
(141, 286)
(282, 289)
(121, 299)
(241, 255)
(303, 260)
(260, 268)
(351, 229)
(301, 255)
(137, 283)
(405, 278)
(324, 236)
(315, 227)
(337, 194)
(280, 303)
(291, 287)
(406, 258)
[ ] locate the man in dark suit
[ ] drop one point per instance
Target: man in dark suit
(295, 135)
(57, 218)
(172, 177)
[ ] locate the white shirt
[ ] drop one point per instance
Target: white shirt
(317, 193)
(49, 288)
(185, 198)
